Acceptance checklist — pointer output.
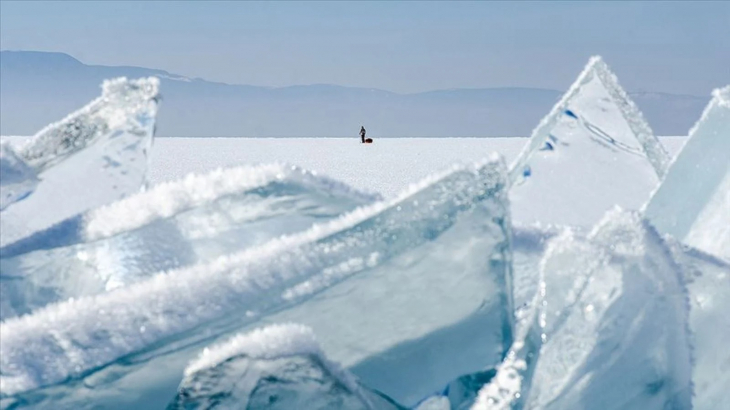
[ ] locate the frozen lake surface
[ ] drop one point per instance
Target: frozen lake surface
(387, 166)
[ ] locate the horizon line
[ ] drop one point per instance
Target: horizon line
(183, 77)
(341, 137)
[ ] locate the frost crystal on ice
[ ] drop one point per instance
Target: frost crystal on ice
(125, 106)
(275, 367)
(513, 378)
(17, 179)
(407, 294)
(592, 151)
(693, 202)
(615, 320)
(94, 156)
(169, 226)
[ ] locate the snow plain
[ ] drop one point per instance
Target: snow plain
(387, 167)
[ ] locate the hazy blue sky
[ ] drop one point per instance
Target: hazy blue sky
(678, 47)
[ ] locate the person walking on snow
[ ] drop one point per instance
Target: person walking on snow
(362, 134)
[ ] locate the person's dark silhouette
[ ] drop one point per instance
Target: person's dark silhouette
(362, 134)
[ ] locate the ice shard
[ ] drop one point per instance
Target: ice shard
(438, 402)
(708, 281)
(693, 202)
(529, 244)
(528, 247)
(511, 383)
(615, 322)
(276, 367)
(17, 179)
(94, 156)
(592, 151)
(407, 294)
(506, 390)
(169, 226)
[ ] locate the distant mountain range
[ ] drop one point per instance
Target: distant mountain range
(37, 88)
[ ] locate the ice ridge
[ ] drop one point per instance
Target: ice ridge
(66, 340)
(168, 199)
(171, 198)
(169, 226)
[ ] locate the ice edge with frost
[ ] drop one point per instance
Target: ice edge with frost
(271, 342)
(17, 178)
(170, 198)
(655, 152)
(115, 97)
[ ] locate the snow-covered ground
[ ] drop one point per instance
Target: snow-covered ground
(386, 167)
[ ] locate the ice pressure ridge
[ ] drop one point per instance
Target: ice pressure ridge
(169, 226)
(209, 291)
(396, 240)
(624, 325)
(613, 326)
